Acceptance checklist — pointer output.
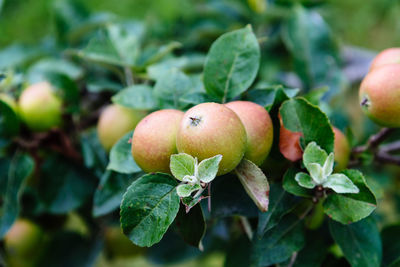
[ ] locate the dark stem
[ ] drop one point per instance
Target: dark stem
(374, 141)
(385, 157)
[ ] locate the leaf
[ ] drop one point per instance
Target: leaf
(314, 154)
(191, 226)
(185, 190)
(171, 86)
(360, 242)
(271, 96)
(9, 121)
(67, 88)
(38, 72)
(347, 208)
(109, 192)
(279, 243)
(20, 168)
(208, 168)
(315, 249)
(298, 115)
(281, 203)
(316, 173)
(138, 97)
(17, 55)
(313, 47)
(238, 254)
(305, 180)
(148, 207)
(121, 159)
(339, 183)
(328, 165)
(152, 55)
(292, 186)
(391, 247)
(232, 64)
(182, 164)
(254, 182)
(93, 153)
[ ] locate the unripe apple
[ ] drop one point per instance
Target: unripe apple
(380, 95)
(40, 108)
(118, 245)
(154, 140)
(23, 240)
(114, 122)
(387, 56)
(259, 129)
(210, 129)
(289, 145)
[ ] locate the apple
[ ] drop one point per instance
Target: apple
(289, 145)
(23, 243)
(40, 108)
(380, 95)
(114, 122)
(387, 56)
(259, 129)
(209, 129)
(154, 140)
(118, 245)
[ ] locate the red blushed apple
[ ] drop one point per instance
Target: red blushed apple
(114, 122)
(259, 129)
(387, 56)
(154, 140)
(209, 129)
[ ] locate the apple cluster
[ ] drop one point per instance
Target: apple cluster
(380, 90)
(234, 130)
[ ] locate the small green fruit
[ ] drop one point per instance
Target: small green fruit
(154, 140)
(114, 122)
(380, 95)
(40, 108)
(259, 129)
(387, 56)
(210, 129)
(342, 150)
(23, 240)
(119, 246)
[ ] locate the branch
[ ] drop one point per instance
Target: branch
(392, 147)
(385, 157)
(374, 141)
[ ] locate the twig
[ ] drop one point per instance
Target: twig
(374, 141)
(128, 76)
(209, 197)
(385, 157)
(247, 227)
(392, 147)
(292, 259)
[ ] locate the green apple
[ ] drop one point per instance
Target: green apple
(154, 140)
(210, 129)
(40, 108)
(118, 245)
(380, 95)
(259, 129)
(114, 122)
(23, 243)
(387, 56)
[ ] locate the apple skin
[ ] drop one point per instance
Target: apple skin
(379, 95)
(259, 129)
(289, 145)
(209, 129)
(40, 108)
(114, 122)
(23, 243)
(387, 56)
(154, 140)
(118, 245)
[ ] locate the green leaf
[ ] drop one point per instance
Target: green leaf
(281, 203)
(109, 192)
(208, 168)
(328, 165)
(232, 64)
(181, 165)
(148, 208)
(316, 173)
(136, 97)
(314, 97)
(9, 121)
(360, 242)
(313, 47)
(121, 159)
(67, 88)
(298, 115)
(254, 182)
(339, 183)
(292, 186)
(38, 72)
(191, 226)
(305, 180)
(391, 247)
(315, 249)
(171, 86)
(278, 244)
(185, 190)
(347, 208)
(271, 96)
(20, 168)
(93, 153)
(154, 54)
(314, 154)
(17, 55)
